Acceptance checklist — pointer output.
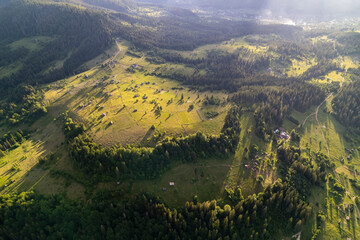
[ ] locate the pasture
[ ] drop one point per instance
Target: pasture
(121, 106)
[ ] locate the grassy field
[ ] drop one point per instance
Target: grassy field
(123, 108)
(205, 179)
(335, 137)
(20, 169)
(299, 66)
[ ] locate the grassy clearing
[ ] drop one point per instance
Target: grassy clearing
(348, 62)
(204, 179)
(329, 78)
(32, 43)
(133, 102)
(299, 66)
(6, 71)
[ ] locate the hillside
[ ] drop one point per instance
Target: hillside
(47, 41)
(123, 121)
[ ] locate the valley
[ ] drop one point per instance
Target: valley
(158, 123)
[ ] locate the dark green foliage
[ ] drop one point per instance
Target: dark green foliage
(347, 104)
(186, 33)
(234, 196)
(23, 105)
(83, 33)
(295, 136)
(12, 140)
(71, 128)
(349, 42)
(262, 216)
(212, 100)
(254, 149)
(224, 70)
(300, 172)
(211, 114)
(272, 104)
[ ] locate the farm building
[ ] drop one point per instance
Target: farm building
(171, 183)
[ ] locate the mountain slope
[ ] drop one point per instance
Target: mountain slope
(78, 34)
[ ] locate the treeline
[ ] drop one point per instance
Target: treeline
(262, 216)
(22, 106)
(272, 104)
(346, 105)
(219, 65)
(11, 141)
(141, 162)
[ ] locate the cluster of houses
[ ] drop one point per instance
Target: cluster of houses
(282, 134)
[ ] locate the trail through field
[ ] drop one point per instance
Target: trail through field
(327, 147)
(304, 122)
(127, 110)
(328, 151)
(202, 118)
(317, 120)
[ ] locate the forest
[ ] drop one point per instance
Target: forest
(347, 104)
(23, 106)
(105, 217)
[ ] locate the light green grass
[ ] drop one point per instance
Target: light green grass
(32, 43)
